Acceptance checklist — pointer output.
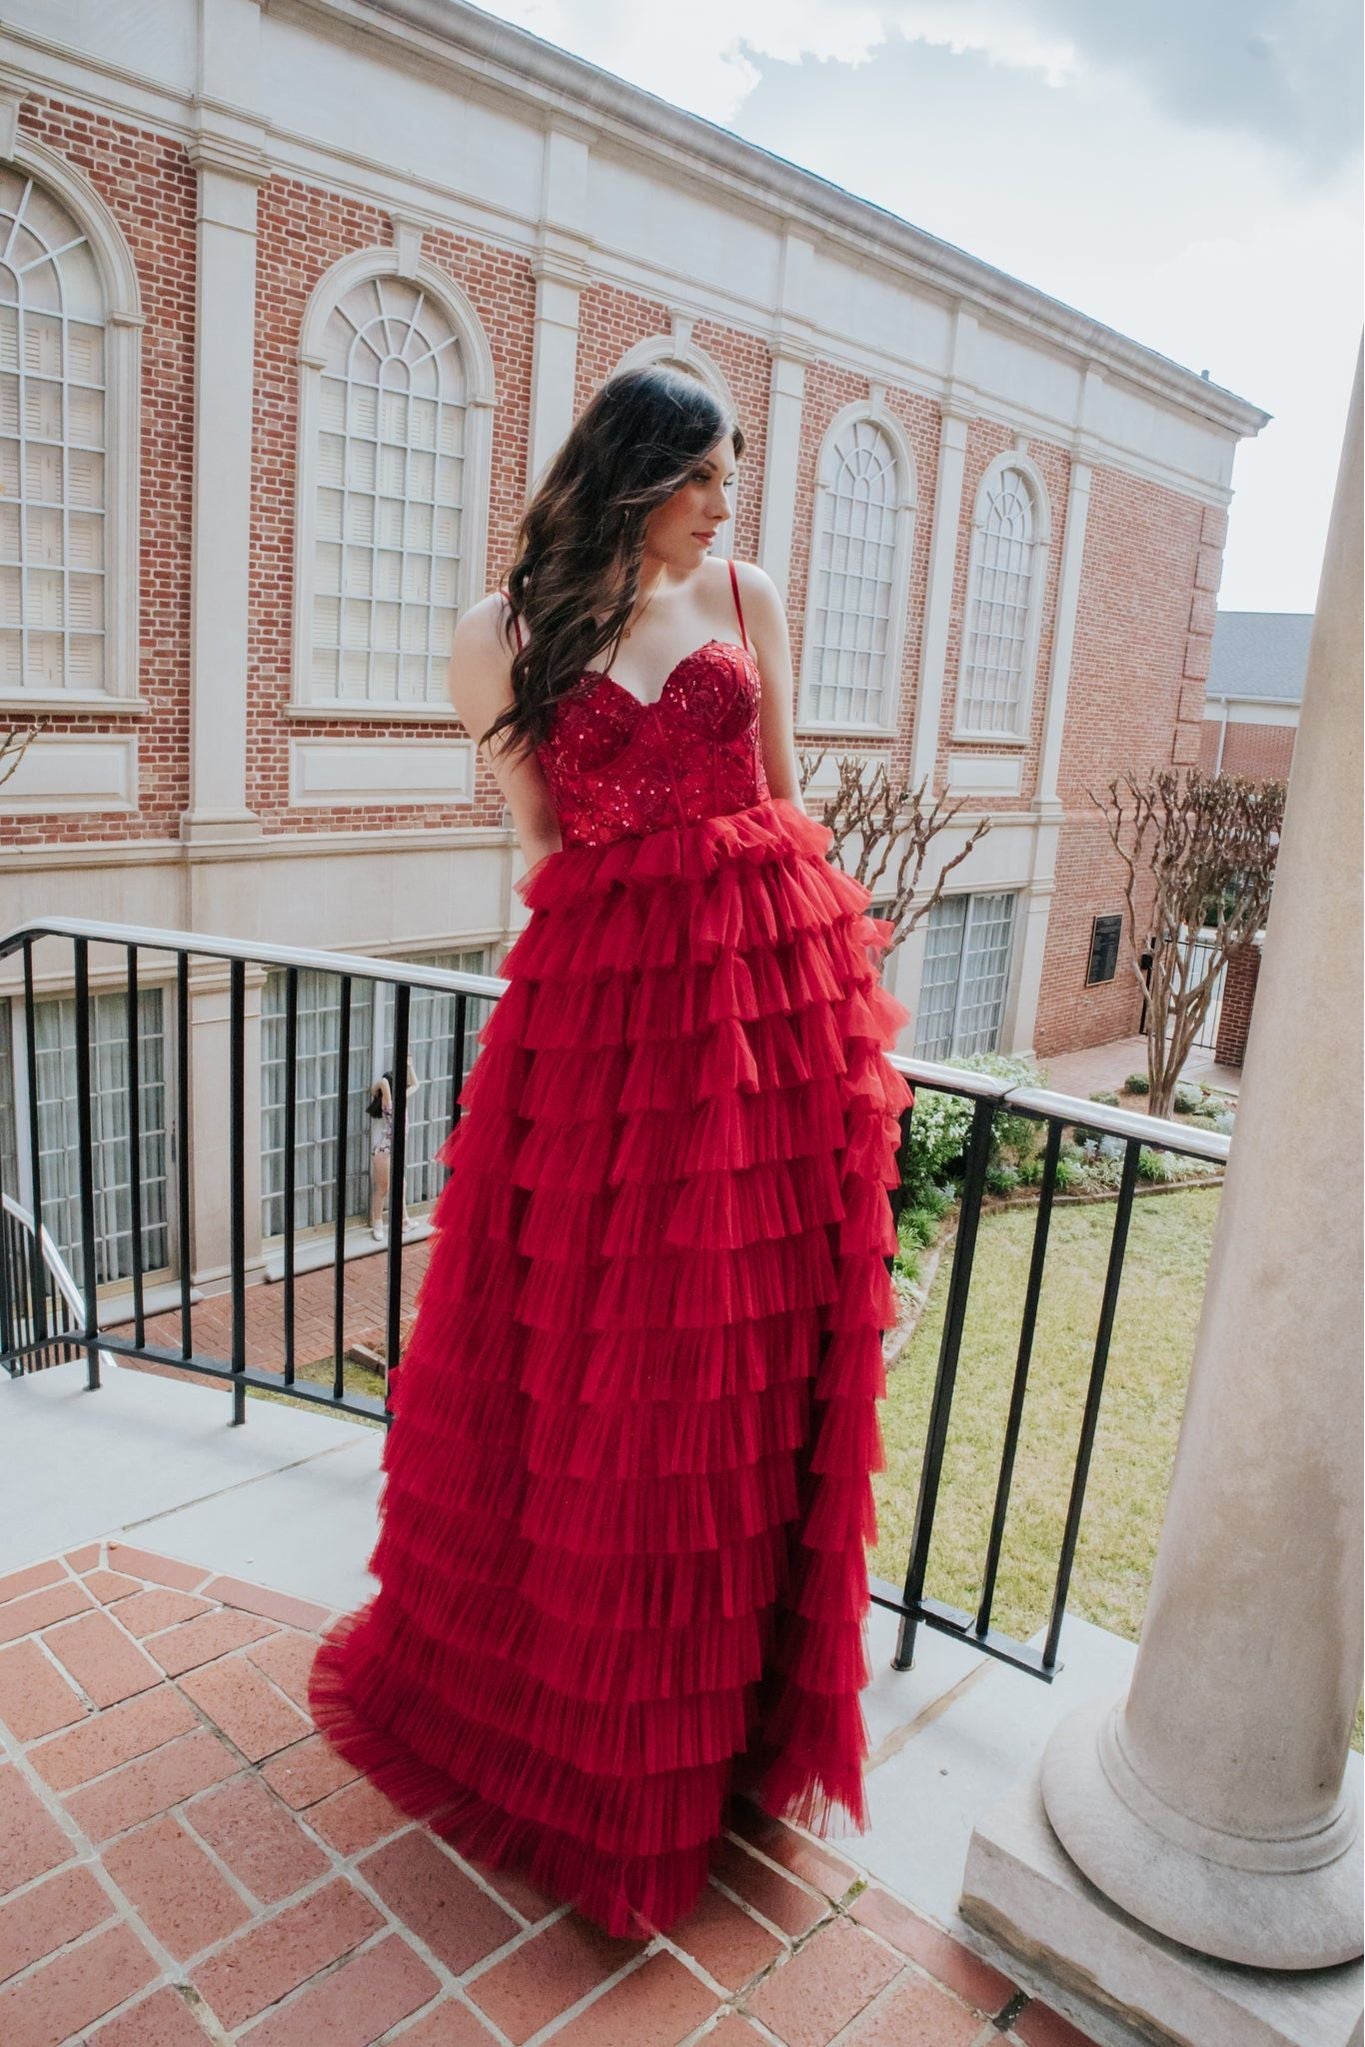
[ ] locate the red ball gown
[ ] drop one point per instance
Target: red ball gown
(627, 1481)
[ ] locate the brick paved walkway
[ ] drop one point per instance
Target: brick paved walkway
(365, 1294)
(183, 1859)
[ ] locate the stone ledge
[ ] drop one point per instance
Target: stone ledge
(1023, 1891)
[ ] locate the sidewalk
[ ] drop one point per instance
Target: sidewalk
(1108, 1066)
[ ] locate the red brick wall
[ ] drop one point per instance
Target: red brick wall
(1259, 752)
(301, 232)
(1239, 996)
(149, 187)
(1135, 702)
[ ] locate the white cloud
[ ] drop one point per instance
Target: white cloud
(1188, 175)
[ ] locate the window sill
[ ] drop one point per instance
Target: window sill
(1016, 739)
(387, 714)
(72, 700)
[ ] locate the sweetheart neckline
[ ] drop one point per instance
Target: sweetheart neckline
(600, 675)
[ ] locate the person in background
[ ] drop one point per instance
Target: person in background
(381, 1148)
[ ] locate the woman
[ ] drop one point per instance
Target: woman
(381, 1148)
(622, 1568)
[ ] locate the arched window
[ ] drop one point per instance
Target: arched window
(392, 487)
(1004, 590)
(54, 499)
(855, 602)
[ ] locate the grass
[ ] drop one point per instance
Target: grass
(358, 1378)
(1139, 1417)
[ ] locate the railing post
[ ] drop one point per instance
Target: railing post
(85, 1164)
(940, 1410)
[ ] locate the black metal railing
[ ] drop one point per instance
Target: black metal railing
(1054, 1112)
(35, 1329)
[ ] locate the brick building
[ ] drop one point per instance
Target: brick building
(1254, 692)
(297, 300)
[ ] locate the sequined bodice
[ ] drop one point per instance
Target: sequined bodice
(617, 767)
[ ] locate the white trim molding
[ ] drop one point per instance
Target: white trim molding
(75, 771)
(884, 664)
(983, 774)
(402, 259)
(1252, 710)
(1018, 459)
(336, 772)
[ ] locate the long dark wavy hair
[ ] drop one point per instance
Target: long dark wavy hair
(575, 579)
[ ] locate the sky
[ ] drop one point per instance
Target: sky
(1187, 171)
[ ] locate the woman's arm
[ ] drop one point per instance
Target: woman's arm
(765, 620)
(479, 684)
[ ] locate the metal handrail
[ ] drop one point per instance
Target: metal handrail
(1161, 1133)
(989, 1094)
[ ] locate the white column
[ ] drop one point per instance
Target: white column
(1064, 630)
(227, 154)
(791, 349)
(560, 269)
(1219, 1802)
(229, 171)
(786, 404)
(1036, 907)
(938, 598)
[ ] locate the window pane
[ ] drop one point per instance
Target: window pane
(938, 985)
(854, 571)
(995, 645)
(391, 483)
(965, 982)
(316, 1078)
(434, 1051)
(52, 449)
(58, 1134)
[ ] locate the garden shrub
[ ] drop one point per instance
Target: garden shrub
(939, 1127)
(1137, 1084)
(920, 1224)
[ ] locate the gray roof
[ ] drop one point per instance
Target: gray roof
(1259, 654)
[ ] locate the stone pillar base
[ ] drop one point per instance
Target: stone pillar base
(1022, 1890)
(218, 827)
(1291, 1902)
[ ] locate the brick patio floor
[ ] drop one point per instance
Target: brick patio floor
(183, 1859)
(365, 1297)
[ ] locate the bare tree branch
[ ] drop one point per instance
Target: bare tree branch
(1199, 855)
(14, 744)
(892, 830)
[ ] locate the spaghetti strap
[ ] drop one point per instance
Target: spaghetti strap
(739, 609)
(516, 622)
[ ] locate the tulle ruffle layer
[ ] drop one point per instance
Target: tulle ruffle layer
(627, 1488)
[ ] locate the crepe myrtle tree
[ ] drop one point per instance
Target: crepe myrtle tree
(892, 828)
(1199, 852)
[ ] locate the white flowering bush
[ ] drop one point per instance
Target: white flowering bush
(938, 1135)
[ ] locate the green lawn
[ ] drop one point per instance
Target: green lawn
(1144, 1395)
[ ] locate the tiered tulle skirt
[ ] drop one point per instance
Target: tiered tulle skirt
(627, 1486)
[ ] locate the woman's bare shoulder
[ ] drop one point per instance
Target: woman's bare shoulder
(479, 678)
(756, 585)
